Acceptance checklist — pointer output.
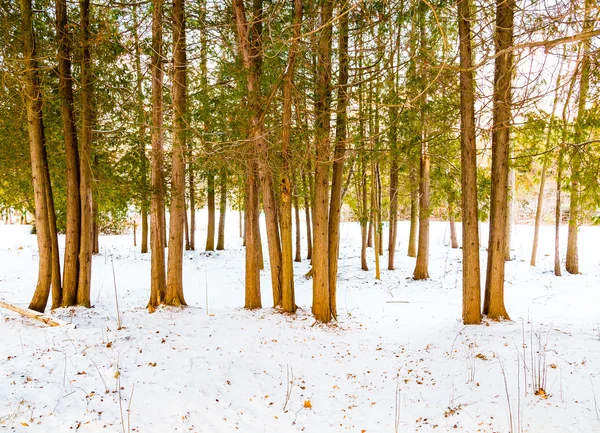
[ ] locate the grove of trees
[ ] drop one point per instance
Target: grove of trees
(369, 110)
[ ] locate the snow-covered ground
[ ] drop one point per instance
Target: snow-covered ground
(398, 359)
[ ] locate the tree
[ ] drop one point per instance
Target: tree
(471, 309)
(493, 304)
(157, 225)
(174, 295)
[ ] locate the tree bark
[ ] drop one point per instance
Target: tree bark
(308, 213)
(33, 103)
(192, 193)
(174, 294)
(157, 204)
(572, 263)
(86, 247)
(210, 203)
(493, 305)
(298, 255)
(339, 158)
(73, 217)
(414, 218)
(222, 210)
(453, 238)
(287, 267)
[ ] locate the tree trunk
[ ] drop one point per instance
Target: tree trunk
(95, 228)
(557, 218)
(298, 256)
(374, 212)
(210, 203)
(510, 213)
(174, 294)
(414, 219)
(252, 236)
(321, 305)
(33, 103)
(73, 217)
(341, 132)
(144, 215)
(250, 48)
(493, 305)
(572, 264)
(192, 193)
(157, 226)
(364, 231)
(287, 266)
(222, 210)
(307, 212)
(453, 238)
(86, 247)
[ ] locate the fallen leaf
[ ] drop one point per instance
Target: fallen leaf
(307, 404)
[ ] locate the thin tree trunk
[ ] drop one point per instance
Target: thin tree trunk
(222, 210)
(192, 192)
(210, 203)
(557, 218)
(186, 229)
(85, 185)
(453, 238)
(174, 294)
(95, 228)
(337, 183)
(374, 212)
(252, 236)
(157, 226)
(307, 218)
(298, 255)
(572, 263)
(510, 208)
(73, 217)
(287, 267)
(414, 219)
(493, 305)
(364, 218)
(33, 103)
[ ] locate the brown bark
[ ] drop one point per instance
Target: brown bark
(321, 305)
(364, 233)
(252, 237)
(157, 204)
(86, 245)
(192, 193)
(95, 228)
(174, 295)
(510, 211)
(73, 217)
(287, 267)
(33, 103)
(572, 263)
(210, 203)
(557, 270)
(339, 157)
(250, 48)
(222, 210)
(298, 255)
(493, 304)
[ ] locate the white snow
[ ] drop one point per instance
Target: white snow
(215, 367)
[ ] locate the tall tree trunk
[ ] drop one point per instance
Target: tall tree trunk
(471, 280)
(375, 222)
(339, 157)
(422, 266)
(252, 237)
(364, 231)
(321, 305)
(222, 210)
(210, 203)
(95, 228)
(174, 294)
(557, 214)
(572, 264)
(250, 47)
(73, 217)
(86, 247)
(33, 103)
(157, 204)
(493, 304)
(510, 213)
(287, 266)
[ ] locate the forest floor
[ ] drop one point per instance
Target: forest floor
(397, 360)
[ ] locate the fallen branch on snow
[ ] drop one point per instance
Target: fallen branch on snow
(33, 314)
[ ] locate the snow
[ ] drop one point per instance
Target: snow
(402, 366)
